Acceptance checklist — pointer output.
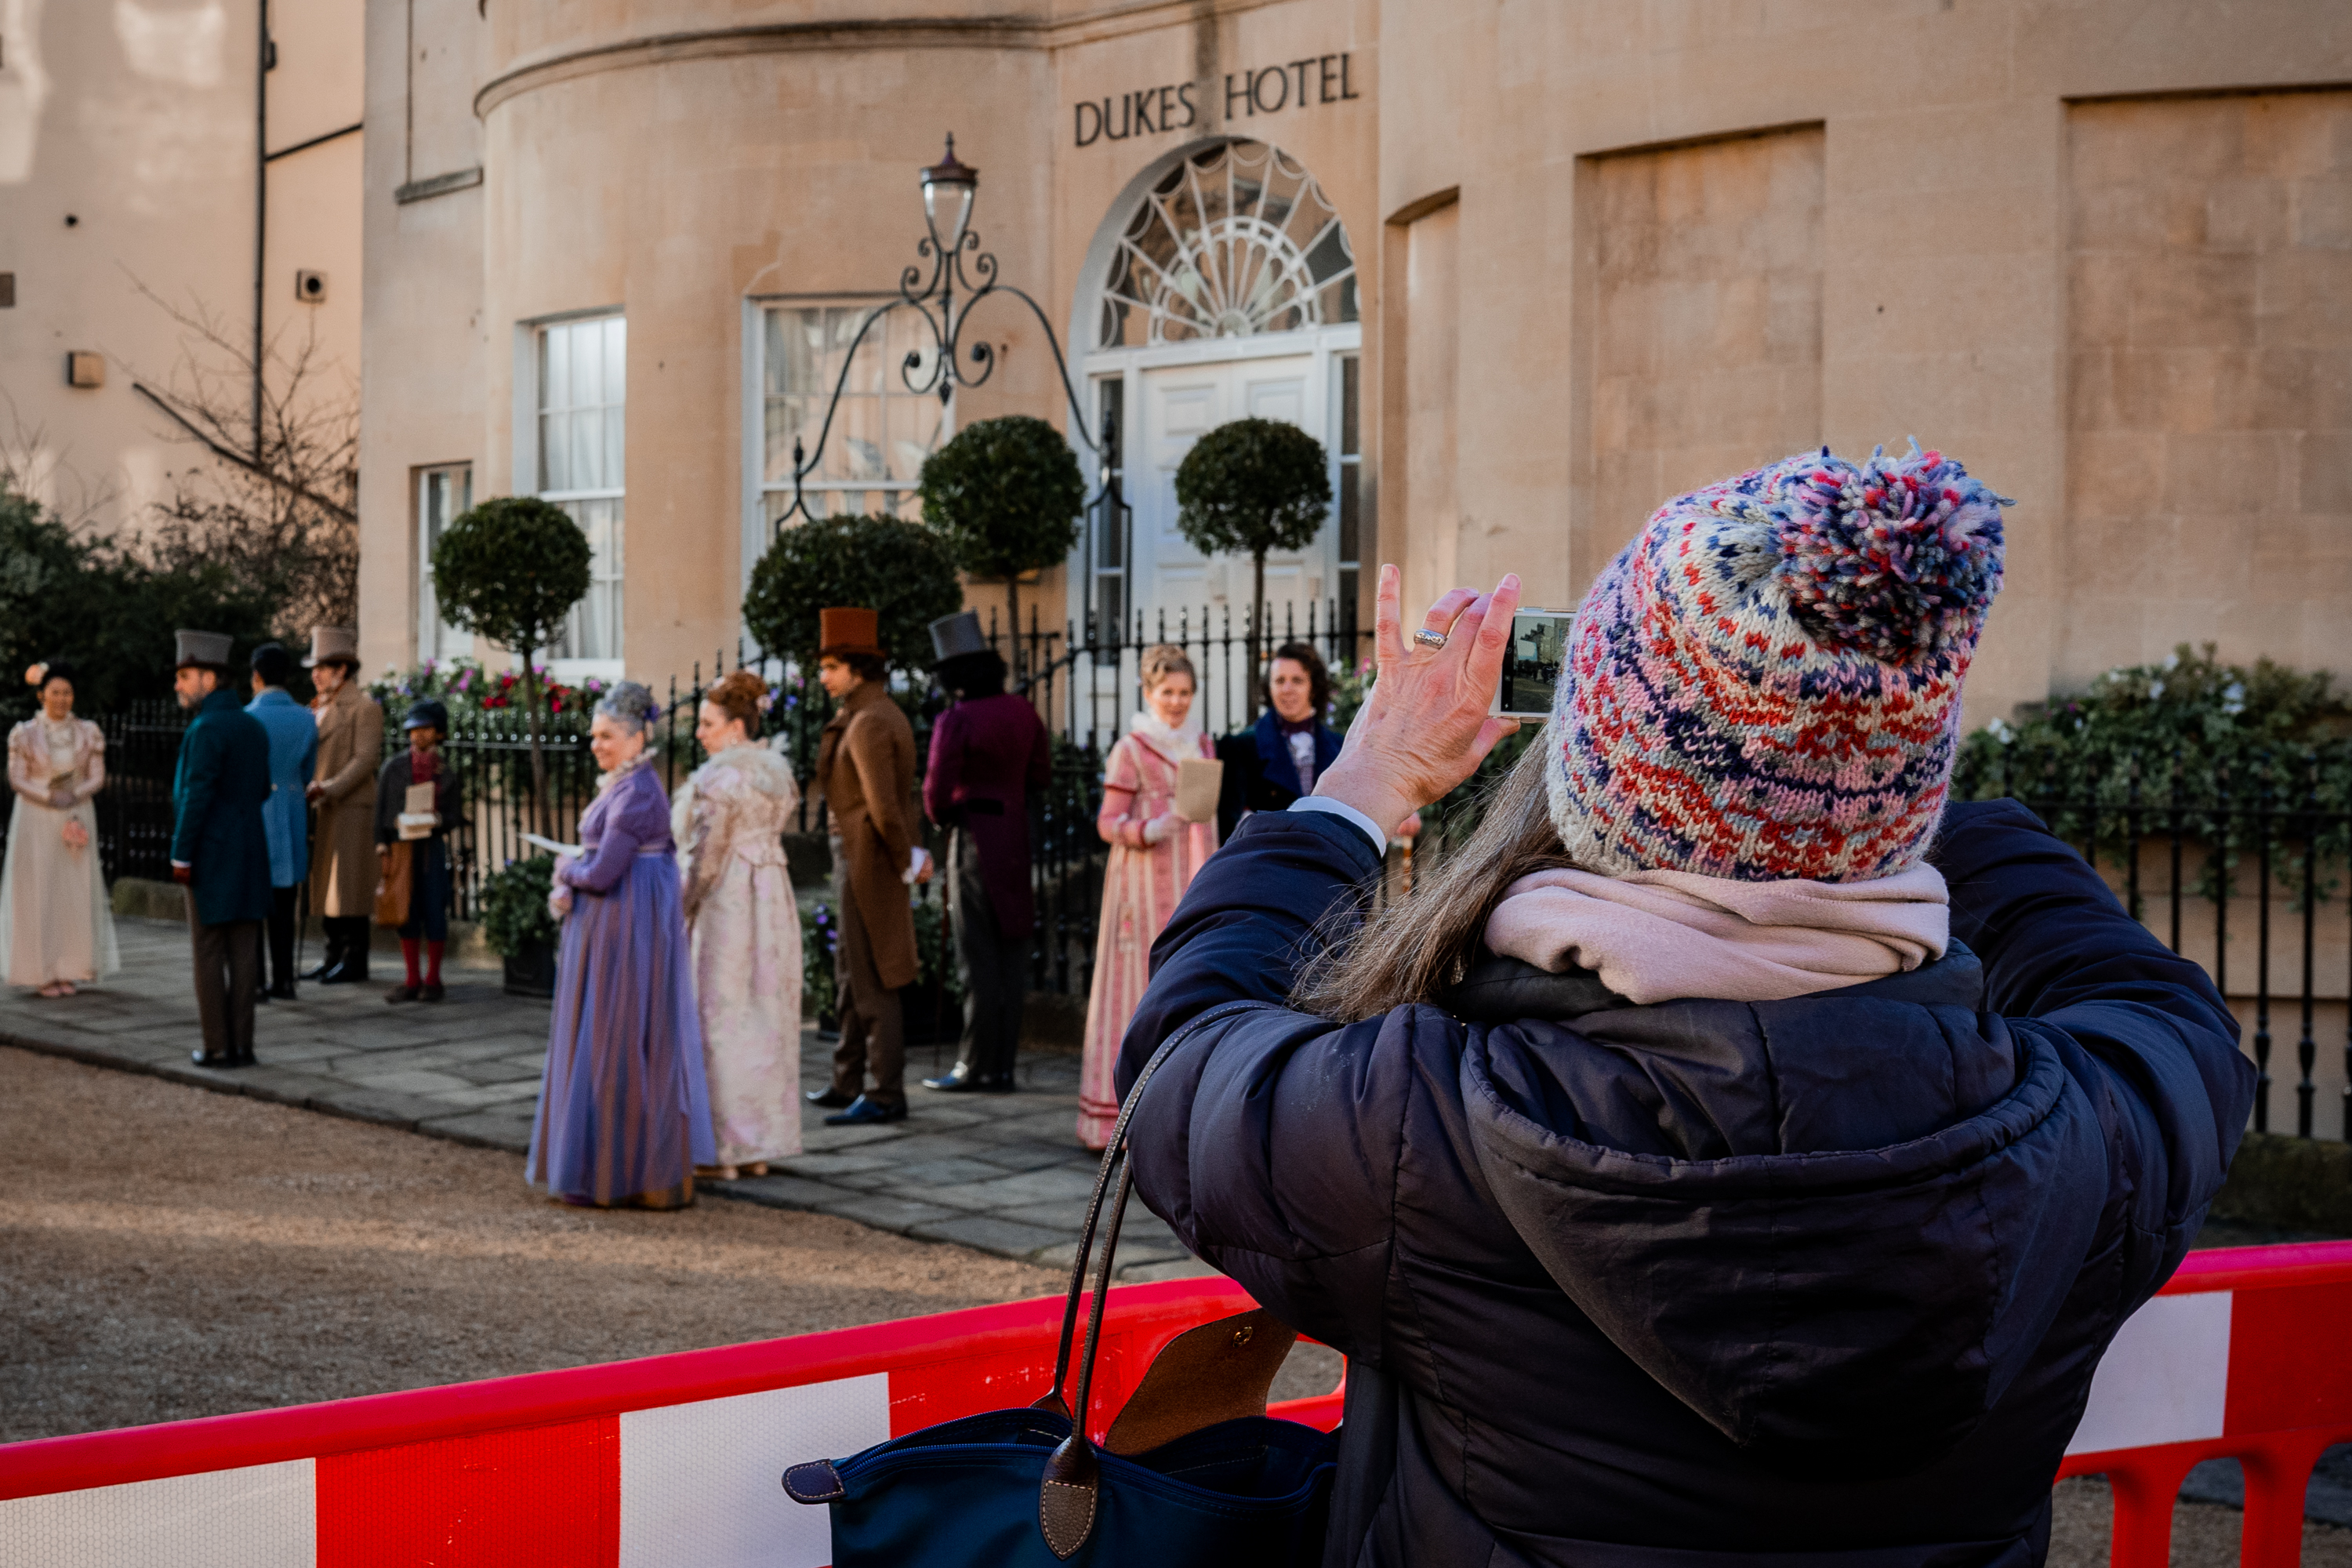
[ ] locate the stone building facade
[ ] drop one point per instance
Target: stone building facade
(1528, 270)
(165, 162)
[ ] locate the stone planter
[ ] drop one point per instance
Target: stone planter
(531, 972)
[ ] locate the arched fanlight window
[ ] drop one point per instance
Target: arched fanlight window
(1235, 241)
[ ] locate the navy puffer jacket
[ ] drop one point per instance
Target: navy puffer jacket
(1819, 1281)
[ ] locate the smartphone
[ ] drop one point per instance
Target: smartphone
(1532, 661)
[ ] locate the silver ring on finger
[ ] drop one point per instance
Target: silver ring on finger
(1428, 638)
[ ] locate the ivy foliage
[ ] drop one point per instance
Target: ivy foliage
(2220, 752)
(1005, 494)
(903, 571)
(66, 595)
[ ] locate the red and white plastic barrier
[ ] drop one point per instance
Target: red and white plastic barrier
(677, 1458)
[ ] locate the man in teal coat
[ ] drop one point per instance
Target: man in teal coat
(220, 851)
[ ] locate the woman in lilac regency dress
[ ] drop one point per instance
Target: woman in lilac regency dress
(624, 1110)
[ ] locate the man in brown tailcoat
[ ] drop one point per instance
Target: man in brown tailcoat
(865, 772)
(344, 859)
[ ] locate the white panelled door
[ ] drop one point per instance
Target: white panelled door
(1180, 403)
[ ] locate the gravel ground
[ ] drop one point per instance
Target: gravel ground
(2204, 1535)
(173, 1253)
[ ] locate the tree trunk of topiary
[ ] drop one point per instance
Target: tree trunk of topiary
(538, 757)
(1256, 626)
(1013, 609)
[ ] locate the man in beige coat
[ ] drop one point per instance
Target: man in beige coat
(865, 772)
(343, 858)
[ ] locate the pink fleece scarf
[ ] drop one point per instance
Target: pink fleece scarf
(1655, 936)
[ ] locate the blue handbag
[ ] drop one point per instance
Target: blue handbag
(1192, 1471)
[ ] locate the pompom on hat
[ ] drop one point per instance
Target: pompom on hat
(1766, 682)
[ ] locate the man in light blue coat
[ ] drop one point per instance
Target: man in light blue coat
(284, 816)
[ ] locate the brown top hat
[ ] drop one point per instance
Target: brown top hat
(333, 644)
(844, 631)
(205, 650)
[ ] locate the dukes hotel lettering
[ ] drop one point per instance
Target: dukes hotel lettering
(1270, 90)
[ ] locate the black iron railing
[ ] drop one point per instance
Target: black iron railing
(2251, 883)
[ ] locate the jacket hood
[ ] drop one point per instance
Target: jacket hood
(1835, 1228)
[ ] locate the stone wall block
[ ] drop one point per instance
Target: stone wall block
(2246, 215)
(2306, 299)
(2322, 211)
(2234, 473)
(2099, 298)
(2115, 474)
(2324, 473)
(2183, 299)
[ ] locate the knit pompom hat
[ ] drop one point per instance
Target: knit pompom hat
(1766, 682)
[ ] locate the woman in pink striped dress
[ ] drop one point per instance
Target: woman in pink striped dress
(1154, 855)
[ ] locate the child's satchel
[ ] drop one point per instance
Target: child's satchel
(393, 887)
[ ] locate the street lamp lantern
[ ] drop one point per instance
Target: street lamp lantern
(940, 290)
(949, 186)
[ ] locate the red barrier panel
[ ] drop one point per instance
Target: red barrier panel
(677, 1457)
(2244, 1354)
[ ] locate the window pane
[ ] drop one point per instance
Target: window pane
(1350, 370)
(554, 365)
(617, 360)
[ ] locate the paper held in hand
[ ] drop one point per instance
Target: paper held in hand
(551, 846)
(417, 819)
(1198, 780)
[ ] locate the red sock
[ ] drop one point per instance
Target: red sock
(408, 956)
(433, 961)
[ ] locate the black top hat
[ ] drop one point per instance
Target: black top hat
(954, 635)
(203, 650)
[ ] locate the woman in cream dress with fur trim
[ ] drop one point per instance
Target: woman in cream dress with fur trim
(56, 927)
(730, 822)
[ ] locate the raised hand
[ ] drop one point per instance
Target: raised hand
(1425, 727)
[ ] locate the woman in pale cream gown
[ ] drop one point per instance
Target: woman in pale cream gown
(730, 824)
(56, 930)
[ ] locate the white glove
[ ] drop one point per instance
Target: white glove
(919, 866)
(1161, 827)
(559, 902)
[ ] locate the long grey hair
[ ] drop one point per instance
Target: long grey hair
(1420, 944)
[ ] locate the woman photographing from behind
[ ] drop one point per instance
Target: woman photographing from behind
(1733, 1153)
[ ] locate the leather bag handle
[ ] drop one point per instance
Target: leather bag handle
(1067, 1498)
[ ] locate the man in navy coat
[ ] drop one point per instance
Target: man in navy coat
(220, 849)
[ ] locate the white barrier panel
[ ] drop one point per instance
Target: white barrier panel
(2165, 1378)
(262, 1516)
(703, 1483)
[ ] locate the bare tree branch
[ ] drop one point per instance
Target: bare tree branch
(279, 507)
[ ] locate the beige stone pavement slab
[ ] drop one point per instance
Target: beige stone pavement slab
(1001, 1173)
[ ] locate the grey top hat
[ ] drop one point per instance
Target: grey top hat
(333, 645)
(208, 650)
(954, 635)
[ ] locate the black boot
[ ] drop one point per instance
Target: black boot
(353, 967)
(333, 956)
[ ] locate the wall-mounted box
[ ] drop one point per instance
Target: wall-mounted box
(85, 369)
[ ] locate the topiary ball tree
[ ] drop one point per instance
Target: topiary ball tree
(900, 570)
(510, 568)
(1006, 493)
(1254, 485)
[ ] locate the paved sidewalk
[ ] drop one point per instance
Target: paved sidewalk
(1004, 1174)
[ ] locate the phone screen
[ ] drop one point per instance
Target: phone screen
(1532, 662)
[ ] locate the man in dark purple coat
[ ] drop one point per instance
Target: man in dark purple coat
(988, 752)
